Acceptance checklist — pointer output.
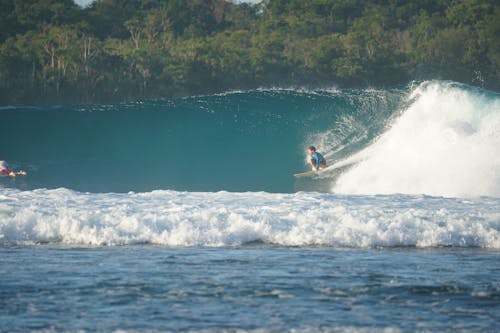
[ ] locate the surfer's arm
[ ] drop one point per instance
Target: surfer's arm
(18, 173)
(313, 166)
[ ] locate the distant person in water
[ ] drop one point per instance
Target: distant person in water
(316, 160)
(6, 171)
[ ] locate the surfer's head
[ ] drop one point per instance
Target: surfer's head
(311, 150)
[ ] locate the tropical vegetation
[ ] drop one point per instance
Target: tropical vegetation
(54, 51)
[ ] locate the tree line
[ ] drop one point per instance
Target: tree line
(53, 51)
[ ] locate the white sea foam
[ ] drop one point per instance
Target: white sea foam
(447, 142)
(224, 219)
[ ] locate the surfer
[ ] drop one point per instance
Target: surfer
(6, 171)
(316, 160)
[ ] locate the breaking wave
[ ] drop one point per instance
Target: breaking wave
(445, 142)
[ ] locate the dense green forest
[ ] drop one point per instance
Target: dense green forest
(53, 51)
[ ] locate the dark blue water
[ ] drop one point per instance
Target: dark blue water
(252, 287)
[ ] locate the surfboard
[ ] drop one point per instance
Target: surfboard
(337, 165)
(304, 174)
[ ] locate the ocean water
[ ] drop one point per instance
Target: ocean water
(183, 215)
(249, 288)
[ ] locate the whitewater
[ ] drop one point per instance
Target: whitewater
(230, 219)
(446, 142)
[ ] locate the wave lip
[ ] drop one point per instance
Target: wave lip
(172, 218)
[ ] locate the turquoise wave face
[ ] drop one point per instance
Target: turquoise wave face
(438, 138)
(241, 141)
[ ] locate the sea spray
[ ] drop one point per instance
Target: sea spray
(446, 142)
